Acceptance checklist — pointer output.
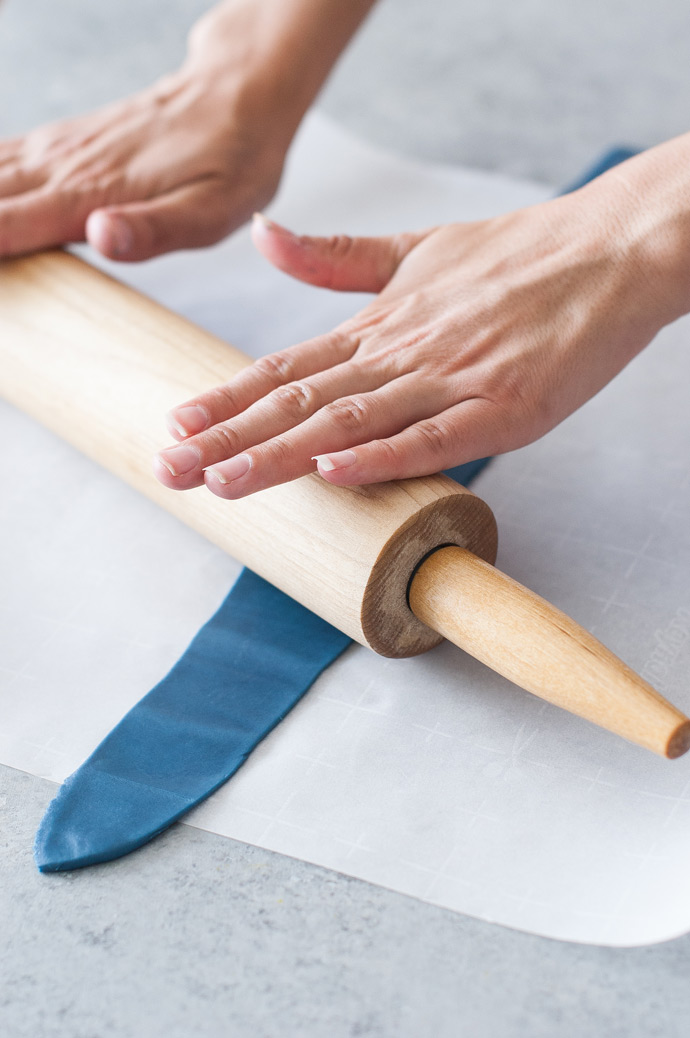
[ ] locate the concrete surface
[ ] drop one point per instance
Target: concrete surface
(198, 935)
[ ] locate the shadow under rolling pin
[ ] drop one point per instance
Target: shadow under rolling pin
(400, 565)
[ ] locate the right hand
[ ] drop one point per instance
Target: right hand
(179, 165)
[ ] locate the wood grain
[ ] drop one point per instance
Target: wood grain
(100, 365)
(532, 643)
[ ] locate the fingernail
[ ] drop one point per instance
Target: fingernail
(329, 462)
(262, 223)
(188, 420)
(228, 471)
(120, 235)
(179, 460)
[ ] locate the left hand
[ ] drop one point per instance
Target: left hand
(482, 338)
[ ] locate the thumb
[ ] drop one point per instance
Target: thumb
(339, 262)
(189, 217)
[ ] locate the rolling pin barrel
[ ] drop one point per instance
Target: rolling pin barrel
(100, 365)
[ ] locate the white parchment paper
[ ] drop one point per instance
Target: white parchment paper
(432, 776)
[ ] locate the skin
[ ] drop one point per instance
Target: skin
(188, 160)
(481, 338)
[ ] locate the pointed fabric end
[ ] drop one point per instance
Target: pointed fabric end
(97, 817)
(243, 672)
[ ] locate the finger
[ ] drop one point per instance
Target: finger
(349, 420)
(279, 411)
(259, 379)
(37, 220)
(189, 217)
(462, 433)
(340, 262)
(15, 180)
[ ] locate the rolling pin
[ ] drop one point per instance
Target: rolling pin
(396, 566)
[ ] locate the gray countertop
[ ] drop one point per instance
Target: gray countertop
(200, 935)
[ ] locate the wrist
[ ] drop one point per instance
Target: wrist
(272, 56)
(647, 200)
(230, 56)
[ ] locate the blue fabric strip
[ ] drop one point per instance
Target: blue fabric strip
(242, 673)
(247, 667)
(612, 157)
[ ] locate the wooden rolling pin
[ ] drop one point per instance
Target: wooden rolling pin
(396, 566)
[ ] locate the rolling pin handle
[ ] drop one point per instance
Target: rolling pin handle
(532, 643)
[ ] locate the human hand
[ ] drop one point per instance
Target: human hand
(185, 162)
(482, 338)
(171, 167)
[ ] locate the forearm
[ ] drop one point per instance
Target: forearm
(281, 50)
(645, 205)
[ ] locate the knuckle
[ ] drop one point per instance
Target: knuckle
(433, 435)
(276, 452)
(517, 396)
(220, 440)
(222, 398)
(390, 458)
(278, 368)
(351, 413)
(88, 180)
(390, 451)
(368, 367)
(342, 342)
(296, 398)
(513, 427)
(340, 246)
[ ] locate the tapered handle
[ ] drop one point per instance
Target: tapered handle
(529, 641)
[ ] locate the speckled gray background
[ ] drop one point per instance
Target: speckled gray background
(201, 936)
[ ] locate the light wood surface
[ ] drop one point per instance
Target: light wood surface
(100, 365)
